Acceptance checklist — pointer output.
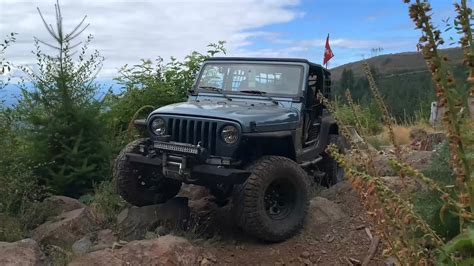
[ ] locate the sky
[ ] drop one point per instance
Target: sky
(126, 31)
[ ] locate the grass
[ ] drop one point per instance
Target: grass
(402, 135)
(106, 204)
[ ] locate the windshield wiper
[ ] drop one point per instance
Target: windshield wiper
(261, 93)
(219, 90)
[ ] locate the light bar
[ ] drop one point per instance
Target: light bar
(176, 147)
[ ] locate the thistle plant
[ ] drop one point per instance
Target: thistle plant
(407, 236)
(350, 102)
(340, 121)
(387, 118)
(463, 24)
(394, 216)
(454, 117)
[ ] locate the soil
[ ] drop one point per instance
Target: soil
(343, 242)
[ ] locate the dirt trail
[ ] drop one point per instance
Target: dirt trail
(329, 243)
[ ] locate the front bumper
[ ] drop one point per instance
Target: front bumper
(187, 163)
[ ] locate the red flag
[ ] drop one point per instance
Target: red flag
(327, 52)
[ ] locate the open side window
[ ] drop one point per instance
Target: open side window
(318, 81)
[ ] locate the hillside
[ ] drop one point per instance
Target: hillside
(403, 80)
(388, 64)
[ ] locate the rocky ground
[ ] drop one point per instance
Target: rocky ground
(191, 230)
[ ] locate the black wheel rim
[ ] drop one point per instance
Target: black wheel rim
(147, 180)
(279, 199)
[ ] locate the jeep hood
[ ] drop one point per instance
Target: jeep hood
(252, 116)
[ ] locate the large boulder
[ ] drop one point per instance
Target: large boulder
(324, 211)
(66, 228)
(64, 204)
(419, 160)
(23, 252)
(338, 190)
(135, 222)
(166, 250)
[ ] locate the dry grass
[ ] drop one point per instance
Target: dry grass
(402, 134)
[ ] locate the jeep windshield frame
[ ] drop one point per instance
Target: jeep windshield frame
(274, 79)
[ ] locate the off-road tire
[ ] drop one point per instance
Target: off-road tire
(249, 199)
(334, 172)
(126, 174)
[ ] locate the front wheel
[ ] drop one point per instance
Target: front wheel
(140, 184)
(272, 203)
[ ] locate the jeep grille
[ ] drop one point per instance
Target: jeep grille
(194, 131)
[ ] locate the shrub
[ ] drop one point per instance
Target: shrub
(370, 120)
(155, 84)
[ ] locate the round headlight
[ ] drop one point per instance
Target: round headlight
(230, 134)
(158, 126)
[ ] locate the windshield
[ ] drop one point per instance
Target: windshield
(247, 77)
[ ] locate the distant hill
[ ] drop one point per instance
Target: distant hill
(401, 63)
(403, 80)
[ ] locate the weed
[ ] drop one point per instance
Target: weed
(106, 203)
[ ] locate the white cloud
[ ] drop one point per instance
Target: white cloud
(345, 50)
(126, 31)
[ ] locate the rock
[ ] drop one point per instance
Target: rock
(23, 252)
(356, 138)
(406, 186)
(305, 254)
(82, 245)
(65, 229)
(64, 204)
(205, 261)
(193, 192)
(382, 165)
(166, 250)
(434, 139)
(391, 261)
(420, 160)
(424, 141)
(106, 237)
(134, 222)
(203, 206)
(161, 231)
(323, 211)
(100, 257)
(334, 192)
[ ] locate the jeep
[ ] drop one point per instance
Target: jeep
(252, 131)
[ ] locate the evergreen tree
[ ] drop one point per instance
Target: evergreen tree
(63, 128)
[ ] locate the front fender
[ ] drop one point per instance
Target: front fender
(328, 127)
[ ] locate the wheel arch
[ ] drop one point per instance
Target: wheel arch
(269, 145)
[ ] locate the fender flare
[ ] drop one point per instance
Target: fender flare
(328, 127)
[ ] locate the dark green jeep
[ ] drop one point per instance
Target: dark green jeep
(252, 130)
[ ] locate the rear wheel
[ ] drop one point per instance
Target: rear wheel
(272, 203)
(334, 172)
(141, 184)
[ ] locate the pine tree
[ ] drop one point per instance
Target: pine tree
(63, 128)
